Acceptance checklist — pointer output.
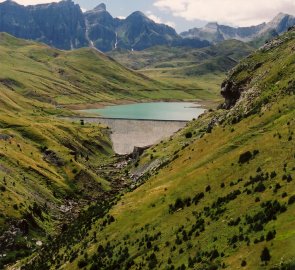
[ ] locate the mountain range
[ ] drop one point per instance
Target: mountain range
(214, 32)
(136, 32)
(63, 25)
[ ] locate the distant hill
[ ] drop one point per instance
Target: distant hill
(215, 32)
(41, 73)
(200, 70)
(190, 62)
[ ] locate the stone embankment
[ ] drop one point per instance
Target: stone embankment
(128, 134)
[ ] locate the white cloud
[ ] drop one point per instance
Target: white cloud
(121, 17)
(237, 12)
(157, 19)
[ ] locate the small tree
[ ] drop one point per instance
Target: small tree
(265, 255)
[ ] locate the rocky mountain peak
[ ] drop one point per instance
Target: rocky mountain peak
(281, 23)
(280, 16)
(137, 14)
(101, 7)
(10, 3)
(211, 27)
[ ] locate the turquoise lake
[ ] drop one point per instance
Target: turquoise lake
(181, 111)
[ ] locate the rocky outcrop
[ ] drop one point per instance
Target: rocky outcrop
(231, 93)
(5, 137)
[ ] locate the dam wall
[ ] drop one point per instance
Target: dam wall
(129, 133)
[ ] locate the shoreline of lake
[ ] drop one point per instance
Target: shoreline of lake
(179, 111)
(206, 104)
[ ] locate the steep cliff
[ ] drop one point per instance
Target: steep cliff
(61, 24)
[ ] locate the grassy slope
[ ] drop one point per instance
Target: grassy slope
(71, 77)
(199, 70)
(46, 162)
(221, 230)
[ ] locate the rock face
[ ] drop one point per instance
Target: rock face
(101, 28)
(136, 32)
(214, 32)
(61, 25)
(231, 93)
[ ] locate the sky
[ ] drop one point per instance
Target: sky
(186, 14)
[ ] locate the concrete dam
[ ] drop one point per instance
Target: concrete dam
(129, 133)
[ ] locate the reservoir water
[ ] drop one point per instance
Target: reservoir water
(181, 111)
(143, 124)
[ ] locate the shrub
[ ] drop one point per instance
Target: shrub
(198, 197)
(188, 135)
(291, 200)
(265, 255)
(149, 245)
(82, 263)
(245, 157)
(273, 174)
(214, 254)
(284, 195)
(260, 187)
(153, 261)
(244, 263)
(270, 235)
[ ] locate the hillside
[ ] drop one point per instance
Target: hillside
(217, 195)
(201, 69)
(167, 57)
(39, 72)
(51, 170)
